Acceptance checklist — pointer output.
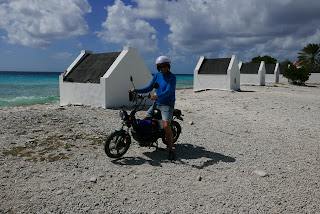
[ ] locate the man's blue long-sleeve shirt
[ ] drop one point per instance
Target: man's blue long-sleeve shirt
(167, 88)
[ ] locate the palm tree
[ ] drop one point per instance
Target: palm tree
(310, 57)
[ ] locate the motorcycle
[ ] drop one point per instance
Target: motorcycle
(145, 132)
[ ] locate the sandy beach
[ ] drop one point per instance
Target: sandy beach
(254, 151)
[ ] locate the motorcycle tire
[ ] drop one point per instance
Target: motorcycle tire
(176, 130)
(117, 144)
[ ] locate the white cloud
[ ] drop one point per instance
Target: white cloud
(217, 28)
(249, 27)
(150, 9)
(123, 27)
(62, 55)
(34, 23)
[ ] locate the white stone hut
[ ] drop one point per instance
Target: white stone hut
(223, 74)
(252, 73)
(282, 79)
(103, 80)
(314, 78)
(272, 72)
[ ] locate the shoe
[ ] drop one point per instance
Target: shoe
(172, 155)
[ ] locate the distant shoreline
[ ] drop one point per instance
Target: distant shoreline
(56, 72)
(31, 72)
(24, 88)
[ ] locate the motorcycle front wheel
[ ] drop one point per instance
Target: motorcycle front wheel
(117, 144)
(176, 130)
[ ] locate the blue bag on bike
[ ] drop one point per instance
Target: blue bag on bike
(147, 126)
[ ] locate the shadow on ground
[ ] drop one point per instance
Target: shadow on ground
(185, 154)
(311, 86)
(245, 91)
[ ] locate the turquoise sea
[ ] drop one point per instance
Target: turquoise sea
(30, 88)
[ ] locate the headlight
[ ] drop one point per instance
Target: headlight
(123, 115)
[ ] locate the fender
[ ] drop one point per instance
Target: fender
(123, 132)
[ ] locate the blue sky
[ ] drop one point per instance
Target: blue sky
(42, 35)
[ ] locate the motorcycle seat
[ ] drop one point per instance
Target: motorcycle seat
(177, 112)
(157, 113)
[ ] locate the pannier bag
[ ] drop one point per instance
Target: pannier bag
(147, 126)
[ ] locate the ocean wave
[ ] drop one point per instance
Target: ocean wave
(25, 101)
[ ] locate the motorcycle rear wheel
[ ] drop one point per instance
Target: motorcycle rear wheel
(176, 130)
(117, 144)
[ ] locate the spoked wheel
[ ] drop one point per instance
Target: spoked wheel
(117, 144)
(176, 130)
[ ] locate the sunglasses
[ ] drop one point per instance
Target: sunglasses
(162, 66)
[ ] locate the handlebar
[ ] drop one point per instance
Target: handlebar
(134, 96)
(137, 99)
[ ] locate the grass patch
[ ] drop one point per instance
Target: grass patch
(60, 156)
(18, 151)
(67, 146)
(51, 148)
(38, 151)
(34, 159)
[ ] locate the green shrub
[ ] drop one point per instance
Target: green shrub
(267, 59)
(297, 75)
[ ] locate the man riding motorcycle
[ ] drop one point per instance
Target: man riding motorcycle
(164, 99)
